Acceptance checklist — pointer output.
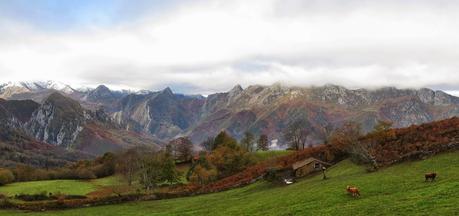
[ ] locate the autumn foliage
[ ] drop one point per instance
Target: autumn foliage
(414, 142)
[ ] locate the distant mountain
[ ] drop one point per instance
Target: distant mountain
(269, 109)
(12, 88)
(62, 122)
(162, 114)
(260, 109)
(16, 147)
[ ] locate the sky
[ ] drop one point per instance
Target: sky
(207, 46)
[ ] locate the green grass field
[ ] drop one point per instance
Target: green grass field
(397, 190)
(71, 187)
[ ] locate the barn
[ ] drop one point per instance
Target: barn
(307, 166)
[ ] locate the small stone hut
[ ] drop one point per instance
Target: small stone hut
(307, 166)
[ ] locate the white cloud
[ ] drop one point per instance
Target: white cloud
(203, 45)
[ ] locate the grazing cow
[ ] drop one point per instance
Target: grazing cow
(430, 176)
(354, 191)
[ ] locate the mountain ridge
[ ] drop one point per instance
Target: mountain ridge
(264, 109)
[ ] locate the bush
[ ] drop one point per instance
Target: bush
(6, 176)
(202, 175)
(5, 203)
(34, 197)
(85, 174)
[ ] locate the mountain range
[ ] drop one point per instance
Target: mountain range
(100, 119)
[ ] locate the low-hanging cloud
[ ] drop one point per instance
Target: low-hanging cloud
(209, 46)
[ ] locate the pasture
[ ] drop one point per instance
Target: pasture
(70, 187)
(396, 190)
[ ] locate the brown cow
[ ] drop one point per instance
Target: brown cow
(354, 191)
(430, 176)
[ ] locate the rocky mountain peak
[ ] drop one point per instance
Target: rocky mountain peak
(101, 91)
(236, 89)
(167, 91)
(57, 121)
(234, 92)
(63, 103)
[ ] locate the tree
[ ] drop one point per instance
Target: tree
(228, 160)
(380, 134)
(170, 150)
(203, 175)
(150, 171)
(247, 141)
(6, 176)
(169, 171)
(184, 149)
(262, 143)
(85, 173)
(24, 173)
(297, 133)
(345, 140)
(223, 139)
(156, 169)
(345, 136)
(181, 149)
(208, 144)
(201, 160)
(327, 131)
(128, 165)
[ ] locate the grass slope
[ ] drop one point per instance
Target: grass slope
(72, 187)
(397, 190)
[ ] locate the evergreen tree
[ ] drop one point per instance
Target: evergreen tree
(223, 139)
(169, 171)
(262, 143)
(248, 141)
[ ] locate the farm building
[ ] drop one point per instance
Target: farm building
(307, 166)
(298, 169)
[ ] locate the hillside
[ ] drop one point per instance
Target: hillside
(397, 190)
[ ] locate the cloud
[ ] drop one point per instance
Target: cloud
(209, 46)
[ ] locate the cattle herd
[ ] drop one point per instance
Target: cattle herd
(354, 191)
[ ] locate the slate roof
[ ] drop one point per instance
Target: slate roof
(306, 162)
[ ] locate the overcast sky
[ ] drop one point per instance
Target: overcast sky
(207, 46)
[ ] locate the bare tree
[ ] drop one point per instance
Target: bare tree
(185, 149)
(297, 133)
(128, 165)
(347, 139)
(180, 148)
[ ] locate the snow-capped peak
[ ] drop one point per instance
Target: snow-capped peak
(58, 86)
(39, 85)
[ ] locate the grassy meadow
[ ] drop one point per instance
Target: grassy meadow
(396, 190)
(71, 187)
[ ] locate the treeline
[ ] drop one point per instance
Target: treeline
(86, 169)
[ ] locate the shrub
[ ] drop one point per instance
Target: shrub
(5, 203)
(202, 175)
(85, 174)
(34, 197)
(6, 176)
